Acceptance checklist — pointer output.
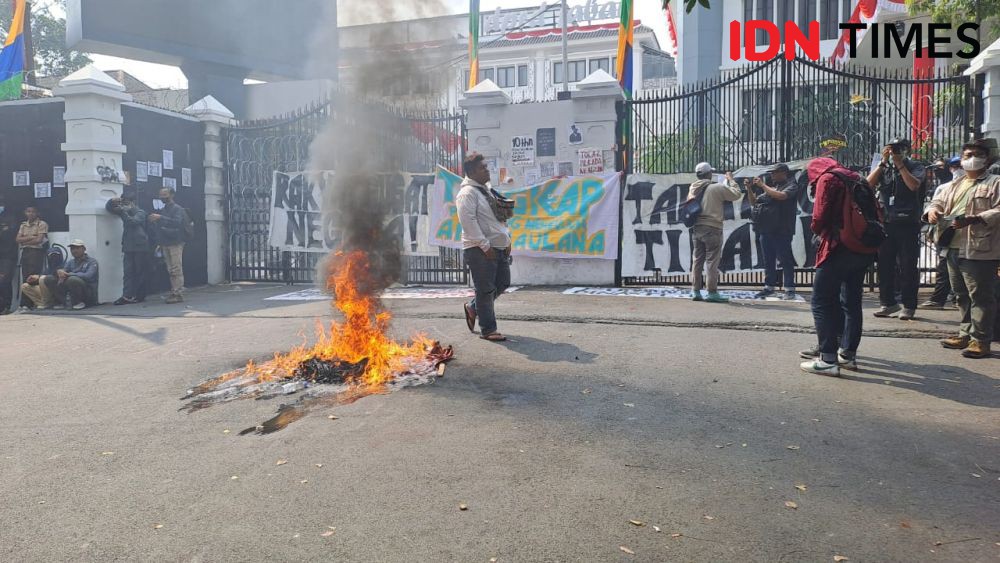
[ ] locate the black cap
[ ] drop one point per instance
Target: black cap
(780, 167)
(899, 141)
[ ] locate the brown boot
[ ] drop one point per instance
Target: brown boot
(977, 349)
(956, 342)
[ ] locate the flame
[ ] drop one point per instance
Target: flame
(363, 335)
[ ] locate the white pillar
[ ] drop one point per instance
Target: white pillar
(988, 63)
(93, 119)
(216, 117)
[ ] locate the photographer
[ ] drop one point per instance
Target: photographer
(900, 185)
(135, 247)
(773, 216)
(706, 235)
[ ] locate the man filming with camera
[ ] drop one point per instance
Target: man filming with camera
(900, 185)
(774, 216)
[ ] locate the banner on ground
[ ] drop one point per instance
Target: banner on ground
(575, 217)
(298, 224)
(655, 238)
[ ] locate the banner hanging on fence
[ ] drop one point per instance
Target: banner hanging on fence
(655, 238)
(297, 222)
(575, 217)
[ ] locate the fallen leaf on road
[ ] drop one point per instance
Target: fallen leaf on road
(707, 517)
(41, 502)
(107, 453)
(629, 404)
(743, 445)
(327, 533)
(659, 487)
(587, 391)
(839, 558)
(791, 447)
(304, 481)
(463, 507)
(802, 488)
(234, 477)
(295, 536)
(791, 504)
(331, 417)
(281, 462)
(226, 431)
(657, 528)
(676, 535)
(719, 446)
(319, 465)
(626, 550)
(904, 524)
(157, 526)
(637, 522)
(976, 475)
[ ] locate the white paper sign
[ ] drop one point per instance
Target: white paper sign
(522, 151)
(43, 190)
(186, 177)
(591, 161)
(155, 169)
(22, 178)
(141, 171)
(532, 176)
(157, 204)
(547, 170)
(168, 160)
(169, 183)
(59, 176)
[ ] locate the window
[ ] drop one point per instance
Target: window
(599, 64)
(765, 11)
(845, 14)
(786, 12)
(828, 19)
(577, 71)
(505, 77)
(747, 11)
(486, 73)
(522, 75)
(807, 13)
(614, 66)
(465, 84)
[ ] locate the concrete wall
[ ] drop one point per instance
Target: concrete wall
(493, 121)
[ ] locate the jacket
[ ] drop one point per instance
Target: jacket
(169, 230)
(85, 269)
(712, 210)
(983, 240)
(480, 227)
(134, 235)
(828, 208)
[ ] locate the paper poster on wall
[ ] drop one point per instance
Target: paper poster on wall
(168, 159)
(609, 160)
(522, 151)
(591, 161)
(141, 171)
(169, 183)
(155, 169)
(22, 178)
(157, 204)
(59, 176)
(532, 176)
(186, 177)
(43, 190)
(575, 135)
(547, 170)
(491, 165)
(546, 139)
(565, 169)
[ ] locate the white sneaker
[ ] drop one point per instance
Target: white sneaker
(821, 368)
(847, 363)
(80, 305)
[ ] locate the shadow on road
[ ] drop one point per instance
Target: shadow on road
(158, 336)
(945, 382)
(538, 350)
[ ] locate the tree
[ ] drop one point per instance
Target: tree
(48, 34)
(957, 12)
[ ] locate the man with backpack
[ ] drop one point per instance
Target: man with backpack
(774, 217)
(848, 223)
(171, 227)
(706, 232)
(900, 185)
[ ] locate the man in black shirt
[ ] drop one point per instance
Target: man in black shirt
(900, 185)
(774, 212)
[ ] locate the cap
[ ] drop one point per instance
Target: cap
(899, 141)
(703, 168)
(955, 161)
(988, 145)
(77, 242)
(780, 167)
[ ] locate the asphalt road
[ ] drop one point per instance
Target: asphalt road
(686, 419)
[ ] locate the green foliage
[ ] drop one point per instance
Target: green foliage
(48, 31)
(957, 12)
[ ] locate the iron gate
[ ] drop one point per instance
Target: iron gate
(256, 149)
(779, 111)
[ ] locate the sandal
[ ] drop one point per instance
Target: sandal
(494, 337)
(470, 317)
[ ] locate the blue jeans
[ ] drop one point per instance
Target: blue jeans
(778, 248)
(490, 278)
(836, 302)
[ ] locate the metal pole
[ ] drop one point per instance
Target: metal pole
(565, 55)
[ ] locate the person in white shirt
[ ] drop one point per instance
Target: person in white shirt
(486, 244)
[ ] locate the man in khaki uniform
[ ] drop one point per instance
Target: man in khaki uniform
(971, 207)
(31, 237)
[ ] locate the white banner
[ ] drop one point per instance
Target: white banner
(654, 237)
(299, 225)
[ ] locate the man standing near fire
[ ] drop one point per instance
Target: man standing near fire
(483, 214)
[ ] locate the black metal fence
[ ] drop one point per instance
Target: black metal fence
(780, 111)
(256, 149)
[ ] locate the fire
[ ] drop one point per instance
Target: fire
(361, 337)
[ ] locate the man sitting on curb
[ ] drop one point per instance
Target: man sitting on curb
(75, 285)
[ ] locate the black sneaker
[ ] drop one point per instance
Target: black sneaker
(764, 293)
(789, 296)
(931, 305)
(888, 310)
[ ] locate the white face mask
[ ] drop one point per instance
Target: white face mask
(974, 163)
(956, 174)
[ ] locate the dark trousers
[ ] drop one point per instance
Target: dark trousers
(778, 249)
(974, 281)
(902, 247)
(942, 282)
(490, 278)
(6, 282)
(836, 302)
(77, 290)
(134, 277)
(32, 262)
